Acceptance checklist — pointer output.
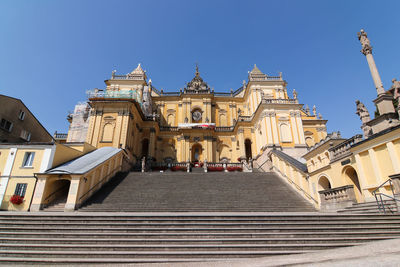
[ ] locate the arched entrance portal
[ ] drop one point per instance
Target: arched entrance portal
(247, 145)
(351, 178)
(323, 183)
(197, 153)
(145, 147)
(57, 193)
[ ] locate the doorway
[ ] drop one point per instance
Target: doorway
(197, 151)
(247, 145)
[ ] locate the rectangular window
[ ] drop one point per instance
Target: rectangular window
(21, 115)
(6, 125)
(28, 159)
(20, 190)
(25, 135)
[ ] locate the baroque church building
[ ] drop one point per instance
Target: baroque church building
(197, 123)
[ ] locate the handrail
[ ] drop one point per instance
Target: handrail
(112, 173)
(296, 185)
(380, 202)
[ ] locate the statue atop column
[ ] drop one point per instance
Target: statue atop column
(366, 46)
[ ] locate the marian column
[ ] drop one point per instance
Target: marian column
(383, 101)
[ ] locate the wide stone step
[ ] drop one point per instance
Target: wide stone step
(4, 241)
(75, 260)
(172, 247)
(147, 254)
(389, 233)
(171, 225)
(249, 229)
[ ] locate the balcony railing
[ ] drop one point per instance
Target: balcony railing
(60, 135)
(127, 77)
(224, 129)
(169, 128)
(115, 94)
(245, 118)
(279, 101)
(342, 150)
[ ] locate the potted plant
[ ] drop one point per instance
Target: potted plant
(16, 199)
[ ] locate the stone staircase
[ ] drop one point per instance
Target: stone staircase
(191, 192)
(57, 206)
(123, 238)
(371, 208)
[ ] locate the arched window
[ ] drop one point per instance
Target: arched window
(247, 146)
(225, 153)
(171, 120)
(310, 141)
(108, 132)
(222, 120)
(323, 183)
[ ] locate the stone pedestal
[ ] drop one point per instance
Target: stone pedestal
(383, 122)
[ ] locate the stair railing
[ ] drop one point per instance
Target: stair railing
(379, 196)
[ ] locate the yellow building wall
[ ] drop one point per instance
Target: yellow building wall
(12, 183)
(19, 170)
(64, 154)
(3, 158)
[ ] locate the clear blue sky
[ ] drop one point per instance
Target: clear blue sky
(53, 51)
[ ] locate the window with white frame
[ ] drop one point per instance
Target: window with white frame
(25, 135)
(21, 115)
(6, 125)
(28, 159)
(20, 189)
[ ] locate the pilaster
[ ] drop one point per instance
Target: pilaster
(152, 142)
(393, 157)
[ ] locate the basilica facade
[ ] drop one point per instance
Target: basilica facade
(196, 123)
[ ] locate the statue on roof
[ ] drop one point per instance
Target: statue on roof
(362, 112)
(395, 89)
(294, 94)
(197, 84)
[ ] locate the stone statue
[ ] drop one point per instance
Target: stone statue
(294, 94)
(143, 164)
(307, 109)
(396, 88)
(366, 46)
(362, 112)
(314, 110)
(396, 93)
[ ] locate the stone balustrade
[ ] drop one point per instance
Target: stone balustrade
(342, 150)
(279, 101)
(337, 198)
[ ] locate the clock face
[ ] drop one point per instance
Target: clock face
(196, 115)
